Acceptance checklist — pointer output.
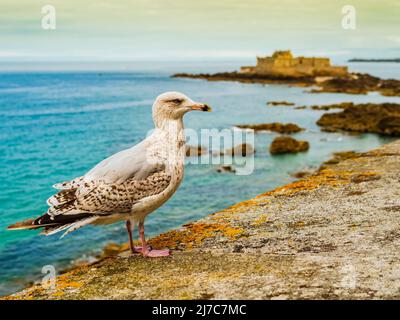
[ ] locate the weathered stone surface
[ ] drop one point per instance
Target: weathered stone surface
(333, 235)
(286, 144)
(339, 157)
(274, 126)
(376, 118)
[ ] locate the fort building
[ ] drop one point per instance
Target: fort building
(283, 64)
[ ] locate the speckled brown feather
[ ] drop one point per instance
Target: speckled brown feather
(103, 198)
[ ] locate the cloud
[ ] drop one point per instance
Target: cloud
(395, 39)
(11, 54)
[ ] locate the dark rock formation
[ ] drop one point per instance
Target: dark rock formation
(374, 118)
(248, 78)
(243, 149)
(286, 144)
(343, 105)
(360, 83)
(354, 83)
(274, 126)
(195, 151)
(230, 169)
(280, 103)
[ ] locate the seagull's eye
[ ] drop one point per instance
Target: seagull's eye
(176, 101)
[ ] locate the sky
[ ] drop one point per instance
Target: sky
(122, 30)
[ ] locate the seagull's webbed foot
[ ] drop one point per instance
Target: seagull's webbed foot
(140, 249)
(147, 251)
(157, 253)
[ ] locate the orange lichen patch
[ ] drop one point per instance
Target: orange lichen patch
(62, 283)
(333, 178)
(232, 213)
(240, 205)
(194, 234)
(227, 216)
(58, 294)
(69, 285)
(232, 232)
(260, 220)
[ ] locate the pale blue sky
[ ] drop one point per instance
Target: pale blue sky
(186, 29)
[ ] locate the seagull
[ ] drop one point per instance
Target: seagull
(128, 185)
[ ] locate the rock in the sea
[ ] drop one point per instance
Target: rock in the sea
(226, 169)
(280, 103)
(343, 105)
(195, 151)
(286, 144)
(374, 118)
(243, 150)
(274, 126)
(359, 83)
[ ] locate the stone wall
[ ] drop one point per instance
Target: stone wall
(333, 235)
(283, 64)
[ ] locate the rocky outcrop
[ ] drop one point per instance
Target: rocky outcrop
(360, 84)
(343, 105)
(280, 103)
(332, 235)
(354, 83)
(249, 78)
(228, 168)
(374, 118)
(286, 144)
(195, 151)
(243, 150)
(274, 126)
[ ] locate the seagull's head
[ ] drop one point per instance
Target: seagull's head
(173, 105)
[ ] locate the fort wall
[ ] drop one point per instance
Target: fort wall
(283, 64)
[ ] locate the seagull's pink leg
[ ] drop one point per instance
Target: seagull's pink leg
(129, 229)
(145, 249)
(134, 249)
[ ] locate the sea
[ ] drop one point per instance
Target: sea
(56, 125)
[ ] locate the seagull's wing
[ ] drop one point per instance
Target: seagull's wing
(111, 187)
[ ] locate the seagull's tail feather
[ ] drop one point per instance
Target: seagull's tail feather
(62, 197)
(21, 225)
(52, 225)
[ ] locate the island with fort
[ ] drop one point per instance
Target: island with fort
(284, 68)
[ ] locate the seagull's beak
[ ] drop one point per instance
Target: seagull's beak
(201, 107)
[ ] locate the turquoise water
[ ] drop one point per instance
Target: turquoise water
(57, 125)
